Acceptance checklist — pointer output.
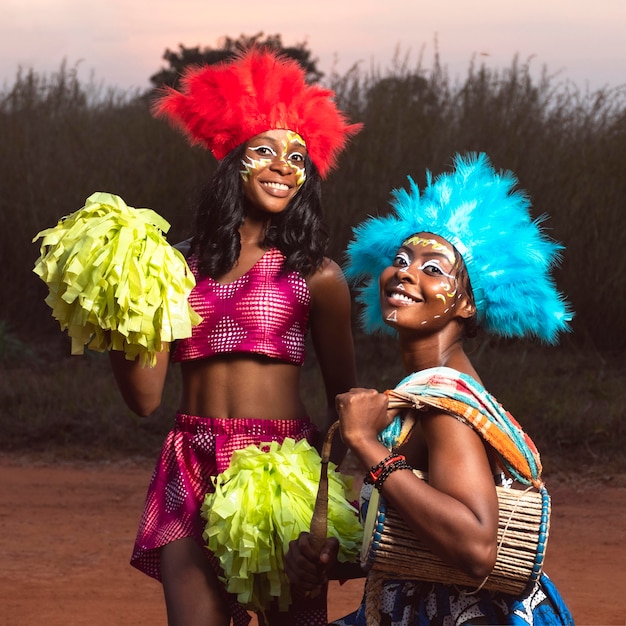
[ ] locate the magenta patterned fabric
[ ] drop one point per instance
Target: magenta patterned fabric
(196, 449)
(265, 311)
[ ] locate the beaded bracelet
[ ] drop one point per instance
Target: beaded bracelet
(376, 470)
(389, 469)
(378, 473)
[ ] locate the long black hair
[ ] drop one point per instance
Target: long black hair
(299, 232)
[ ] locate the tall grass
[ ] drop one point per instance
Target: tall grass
(566, 146)
(62, 140)
(570, 401)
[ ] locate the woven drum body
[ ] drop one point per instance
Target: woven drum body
(523, 528)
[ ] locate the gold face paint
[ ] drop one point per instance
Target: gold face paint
(449, 289)
(252, 165)
(287, 155)
(292, 138)
(416, 240)
(420, 289)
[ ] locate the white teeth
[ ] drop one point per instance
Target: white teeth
(277, 185)
(401, 297)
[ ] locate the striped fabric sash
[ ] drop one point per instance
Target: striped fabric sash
(461, 396)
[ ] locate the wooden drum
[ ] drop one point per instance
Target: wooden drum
(390, 547)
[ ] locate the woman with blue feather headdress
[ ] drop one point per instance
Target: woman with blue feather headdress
(463, 254)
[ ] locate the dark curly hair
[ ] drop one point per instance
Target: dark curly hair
(298, 232)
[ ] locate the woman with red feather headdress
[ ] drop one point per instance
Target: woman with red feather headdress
(262, 280)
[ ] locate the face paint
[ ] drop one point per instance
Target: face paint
(289, 154)
(294, 138)
(449, 287)
(416, 240)
(421, 288)
(251, 165)
(434, 264)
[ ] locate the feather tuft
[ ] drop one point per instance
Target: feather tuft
(221, 106)
(508, 255)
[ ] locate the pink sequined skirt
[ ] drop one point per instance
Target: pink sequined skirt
(196, 449)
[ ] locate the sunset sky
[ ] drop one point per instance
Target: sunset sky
(121, 42)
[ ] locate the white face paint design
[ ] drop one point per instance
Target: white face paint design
(289, 151)
(432, 266)
(393, 316)
(431, 287)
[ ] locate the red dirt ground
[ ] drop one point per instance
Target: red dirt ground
(66, 532)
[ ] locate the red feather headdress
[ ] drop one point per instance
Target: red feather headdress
(223, 105)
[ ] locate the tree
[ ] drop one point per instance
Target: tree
(227, 49)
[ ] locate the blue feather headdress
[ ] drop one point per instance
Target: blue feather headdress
(507, 255)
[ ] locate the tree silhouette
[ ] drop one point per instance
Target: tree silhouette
(227, 49)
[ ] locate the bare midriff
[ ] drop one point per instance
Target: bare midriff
(241, 386)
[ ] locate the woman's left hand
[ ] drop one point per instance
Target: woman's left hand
(306, 568)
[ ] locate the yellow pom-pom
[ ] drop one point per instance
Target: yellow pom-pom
(114, 282)
(263, 501)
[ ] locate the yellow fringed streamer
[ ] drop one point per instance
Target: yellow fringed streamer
(114, 282)
(263, 501)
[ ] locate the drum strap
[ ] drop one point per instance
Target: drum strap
(461, 396)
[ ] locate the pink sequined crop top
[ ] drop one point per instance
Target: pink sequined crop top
(264, 311)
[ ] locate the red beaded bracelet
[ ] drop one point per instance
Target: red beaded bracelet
(388, 469)
(373, 476)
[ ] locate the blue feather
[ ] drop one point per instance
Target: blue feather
(507, 253)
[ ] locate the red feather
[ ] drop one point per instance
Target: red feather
(222, 106)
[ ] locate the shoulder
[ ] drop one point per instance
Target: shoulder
(327, 276)
(329, 289)
(450, 440)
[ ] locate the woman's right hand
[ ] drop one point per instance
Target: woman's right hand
(306, 568)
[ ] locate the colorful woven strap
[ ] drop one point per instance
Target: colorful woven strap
(461, 396)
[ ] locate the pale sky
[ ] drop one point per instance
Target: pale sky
(121, 42)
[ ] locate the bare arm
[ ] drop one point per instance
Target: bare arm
(141, 387)
(456, 512)
(331, 332)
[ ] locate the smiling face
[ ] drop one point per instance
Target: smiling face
(273, 169)
(420, 291)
